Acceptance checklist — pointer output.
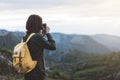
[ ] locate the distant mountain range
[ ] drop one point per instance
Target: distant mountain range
(100, 43)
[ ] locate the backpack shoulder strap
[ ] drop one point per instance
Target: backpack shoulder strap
(29, 37)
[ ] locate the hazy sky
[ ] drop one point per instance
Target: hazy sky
(65, 16)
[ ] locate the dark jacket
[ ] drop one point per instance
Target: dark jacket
(36, 46)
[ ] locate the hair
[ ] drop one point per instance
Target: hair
(34, 24)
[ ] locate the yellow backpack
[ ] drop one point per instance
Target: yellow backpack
(22, 60)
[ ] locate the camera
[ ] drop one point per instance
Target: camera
(44, 28)
(44, 25)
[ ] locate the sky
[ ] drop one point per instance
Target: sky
(64, 16)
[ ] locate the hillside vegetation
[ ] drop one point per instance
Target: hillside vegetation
(78, 57)
(73, 66)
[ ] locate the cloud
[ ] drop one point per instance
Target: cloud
(67, 16)
(31, 4)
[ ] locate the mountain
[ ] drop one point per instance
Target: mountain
(73, 59)
(110, 41)
(3, 32)
(65, 42)
(18, 34)
(82, 43)
(8, 40)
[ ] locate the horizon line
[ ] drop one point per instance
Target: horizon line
(65, 33)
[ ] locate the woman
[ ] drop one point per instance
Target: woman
(37, 44)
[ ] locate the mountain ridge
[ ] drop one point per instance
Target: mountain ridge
(65, 42)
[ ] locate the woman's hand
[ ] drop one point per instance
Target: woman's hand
(45, 29)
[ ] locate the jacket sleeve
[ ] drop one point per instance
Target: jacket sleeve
(47, 44)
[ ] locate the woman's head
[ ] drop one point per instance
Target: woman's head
(34, 24)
